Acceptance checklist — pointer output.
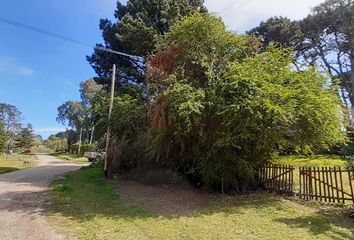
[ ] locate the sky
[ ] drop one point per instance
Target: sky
(38, 73)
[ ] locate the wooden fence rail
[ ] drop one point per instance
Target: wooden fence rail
(277, 178)
(333, 185)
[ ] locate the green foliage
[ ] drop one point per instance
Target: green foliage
(72, 113)
(25, 138)
(277, 30)
(10, 116)
(84, 148)
(129, 122)
(56, 144)
(216, 108)
(221, 109)
(3, 137)
(139, 25)
(323, 38)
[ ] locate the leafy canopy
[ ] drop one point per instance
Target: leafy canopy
(220, 108)
(138, 27)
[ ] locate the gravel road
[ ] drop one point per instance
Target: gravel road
(22, 198)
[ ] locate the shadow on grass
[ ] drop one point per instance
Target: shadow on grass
(321, 223)
(8, 169)
(86, 195)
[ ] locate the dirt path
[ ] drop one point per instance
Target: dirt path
(22, 197)
(167, 199)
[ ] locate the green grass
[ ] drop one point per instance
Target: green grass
(13, 162)
(69, 157)
(313, 161)
(85, 206)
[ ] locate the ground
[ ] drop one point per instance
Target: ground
(86, 206)
(22, 199)
(69, 157)
(10, 163)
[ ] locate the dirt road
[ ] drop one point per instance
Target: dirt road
(22, 197)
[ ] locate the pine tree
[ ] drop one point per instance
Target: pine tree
(140, 23)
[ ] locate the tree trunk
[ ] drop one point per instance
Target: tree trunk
(352, 86)
(92, 131)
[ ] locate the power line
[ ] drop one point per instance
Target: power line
(55, 35)
(238, 7)
(229, 6)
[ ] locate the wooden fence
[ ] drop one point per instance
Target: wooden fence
(325, 184)
(277, 178)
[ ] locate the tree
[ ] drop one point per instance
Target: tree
(329, 41)
(3, 137)
(324, 38)
(219, 109)
(56, 144)
(25, 137)
(278, 30)
(70, 136)
(139, 25)
(71, 113)
(88, 90)
(10, 116)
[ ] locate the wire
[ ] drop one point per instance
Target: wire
(228, 7)
(238, 7)
(45, 32)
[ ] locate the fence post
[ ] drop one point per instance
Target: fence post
(341, 184)
(350, 183)
(300, 182)
(336, 182)
(328, 189)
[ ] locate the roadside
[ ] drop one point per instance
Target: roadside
(69, 157)
(87, 206)
(23, 196)
(10, 163)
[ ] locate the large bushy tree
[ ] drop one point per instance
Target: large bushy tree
(220, 109)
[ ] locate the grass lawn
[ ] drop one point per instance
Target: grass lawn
(313, 161)
(14, 162)
(86, 206)
(69, 157)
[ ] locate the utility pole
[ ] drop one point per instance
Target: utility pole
(108, 135)
(80, 139)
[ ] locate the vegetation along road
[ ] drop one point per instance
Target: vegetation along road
(22, 199)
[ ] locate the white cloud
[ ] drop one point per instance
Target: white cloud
(9, 65)
(242, 15)
(49, 130)
(26, 71)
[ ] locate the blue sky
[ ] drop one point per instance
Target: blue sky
(38, 72)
